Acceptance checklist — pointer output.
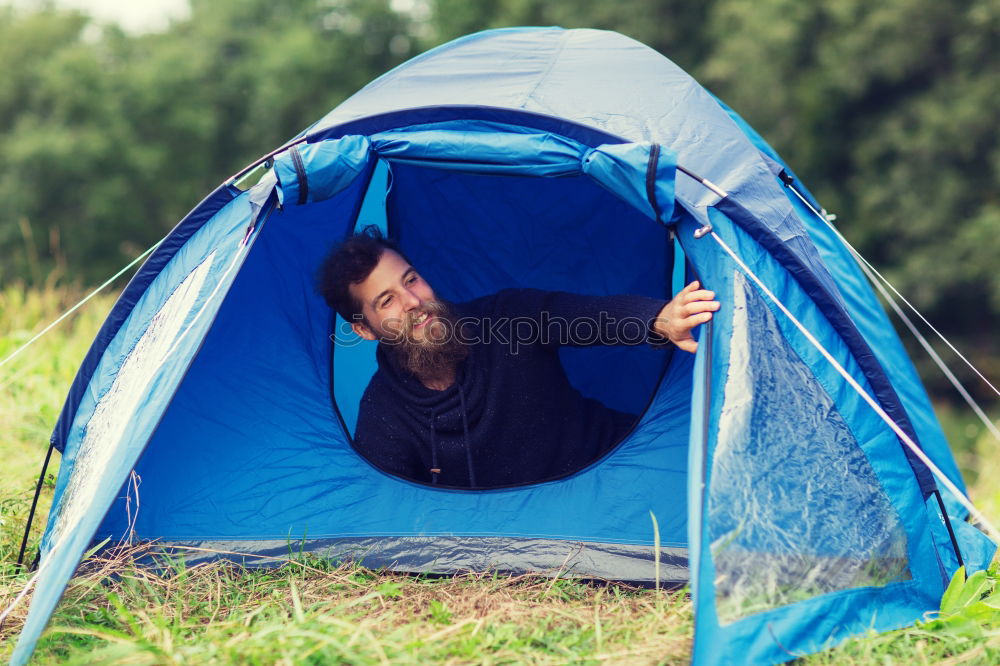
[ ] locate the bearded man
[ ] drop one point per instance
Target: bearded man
(462, 397)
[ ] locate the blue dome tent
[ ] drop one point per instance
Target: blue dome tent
(213, 411)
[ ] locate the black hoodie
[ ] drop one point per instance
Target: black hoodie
(511, 416)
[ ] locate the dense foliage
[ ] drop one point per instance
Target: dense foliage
(886, 110)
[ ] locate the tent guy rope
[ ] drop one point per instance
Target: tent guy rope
(76, 307)
(19, 597)
(982, 520)
(880, 282)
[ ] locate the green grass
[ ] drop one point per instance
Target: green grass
(33, 385)
(309, 611)
(32, 388)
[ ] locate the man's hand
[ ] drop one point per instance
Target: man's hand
(689, 308)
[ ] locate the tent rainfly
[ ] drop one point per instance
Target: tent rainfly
(575, 160)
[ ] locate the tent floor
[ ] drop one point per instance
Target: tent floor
(633, 564)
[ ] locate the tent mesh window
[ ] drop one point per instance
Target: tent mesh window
(795, 509)
(115, 409)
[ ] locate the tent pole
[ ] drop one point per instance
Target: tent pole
(34, 503)
(261, 160)
(951, 532)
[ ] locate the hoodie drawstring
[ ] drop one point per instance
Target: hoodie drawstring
(465, 428)
(435, 470)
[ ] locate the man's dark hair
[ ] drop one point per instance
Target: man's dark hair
(351, 262)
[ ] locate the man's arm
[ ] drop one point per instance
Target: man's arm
(562, 318)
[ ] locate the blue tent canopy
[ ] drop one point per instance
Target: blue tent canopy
(214, 393)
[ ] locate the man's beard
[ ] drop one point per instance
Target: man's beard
(438, 353)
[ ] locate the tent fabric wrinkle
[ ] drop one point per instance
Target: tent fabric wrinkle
(317, 171)
(527, 158)
(546, 154)
(616, 167)
(487, 151)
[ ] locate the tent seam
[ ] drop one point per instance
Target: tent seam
(544, 75)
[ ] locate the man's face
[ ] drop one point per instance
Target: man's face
(395, 301)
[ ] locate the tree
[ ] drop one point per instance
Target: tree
(673, 27)
(111, 139)
(887, 110)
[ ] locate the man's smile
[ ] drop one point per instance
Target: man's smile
(421, 320)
